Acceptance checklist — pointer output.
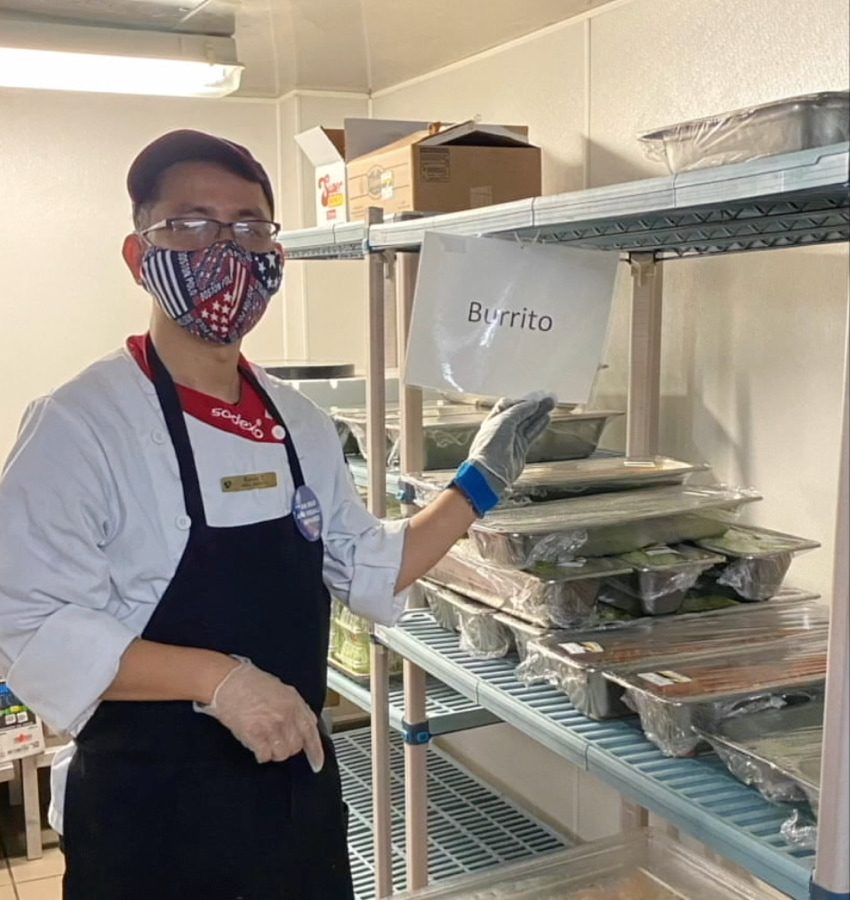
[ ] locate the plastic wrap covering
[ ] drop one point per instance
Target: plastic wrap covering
(796, 123)
(799, 831)
(578, 662)
(703, 598)
(660, 578)
(701, 691)
(522, 632)
(448, 432)
(604, 525)
(758, 559)
(643, 864)
(566, 478)
(348, 649)
(557, 659)
(549, 595)
(481, 634)
(777, 750)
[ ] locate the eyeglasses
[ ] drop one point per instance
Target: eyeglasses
(186, 234)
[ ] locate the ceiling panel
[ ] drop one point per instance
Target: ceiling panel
(214, 17)
(337, 45)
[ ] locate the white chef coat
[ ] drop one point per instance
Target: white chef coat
(94, 525)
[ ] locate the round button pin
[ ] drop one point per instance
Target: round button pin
(307, 513)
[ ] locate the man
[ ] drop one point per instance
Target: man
(173, 521)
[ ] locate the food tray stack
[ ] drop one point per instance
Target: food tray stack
(605, 524)
(675, 700)
(548, 596)
(582, 663)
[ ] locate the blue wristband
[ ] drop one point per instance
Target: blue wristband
(475, 487)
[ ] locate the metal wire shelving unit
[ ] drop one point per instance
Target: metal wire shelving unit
(697, 795)
(791, 200)
(471, 826)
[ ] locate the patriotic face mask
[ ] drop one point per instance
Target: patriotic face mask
(218, 293)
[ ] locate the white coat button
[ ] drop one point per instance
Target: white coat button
(183, 522)
(158, 437)
(278, 432)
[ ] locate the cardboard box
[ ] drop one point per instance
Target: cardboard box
(329, 148)
(458, 167)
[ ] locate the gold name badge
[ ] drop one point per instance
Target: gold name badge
(255, 482)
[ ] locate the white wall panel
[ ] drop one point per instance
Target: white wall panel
(67, 298)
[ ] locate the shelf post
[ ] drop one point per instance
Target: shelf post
(644, 397)
(832, 863)
(376, 450)
(415, 712)
(632, 815)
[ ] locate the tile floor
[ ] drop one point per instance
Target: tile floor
(21, 879)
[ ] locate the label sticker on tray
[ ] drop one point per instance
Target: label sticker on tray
(660, 550)
(583, 647)
(664, 678)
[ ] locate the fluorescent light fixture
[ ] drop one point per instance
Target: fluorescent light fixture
(114, 61)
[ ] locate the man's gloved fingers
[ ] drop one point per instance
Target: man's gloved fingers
(262, 752)
(313, 749)
(535, 426)
(499, 406)
(284, 747)
(537, 422)
(517, 413)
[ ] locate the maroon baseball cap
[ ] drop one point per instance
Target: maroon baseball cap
(185, 145)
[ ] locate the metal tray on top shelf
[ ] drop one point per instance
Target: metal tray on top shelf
(783, 126)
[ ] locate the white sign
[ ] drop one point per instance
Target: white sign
(496, 318)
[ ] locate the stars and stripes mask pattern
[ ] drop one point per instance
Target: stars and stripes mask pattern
(218, 293)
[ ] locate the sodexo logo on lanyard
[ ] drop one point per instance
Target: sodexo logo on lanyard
(307, 512)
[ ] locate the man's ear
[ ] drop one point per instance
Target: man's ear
(133, 250)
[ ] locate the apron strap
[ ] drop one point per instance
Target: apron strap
(288, 443)
(169, 401)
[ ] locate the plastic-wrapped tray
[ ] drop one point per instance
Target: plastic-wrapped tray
(567, 478)
(660, 578)
(643, 864)
(481, 634)
(777, 750)
(449, 430)
(521, 632)
(703, 598)
(699, 692)
(549, 595)
(758, 559)
(604, 525)
(783, 126)
(579, 662)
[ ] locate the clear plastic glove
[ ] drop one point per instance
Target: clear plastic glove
(502, 442)
(266, 716)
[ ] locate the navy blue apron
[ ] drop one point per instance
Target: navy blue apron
(162, 802)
